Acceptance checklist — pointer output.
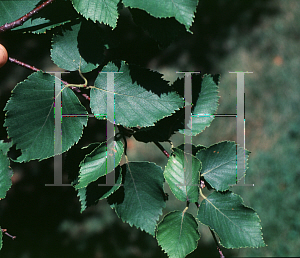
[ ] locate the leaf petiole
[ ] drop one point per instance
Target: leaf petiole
(202, 195)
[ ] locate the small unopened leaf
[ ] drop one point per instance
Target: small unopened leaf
(182, 173)
(236, 225)
(177, 234)
(219, 164)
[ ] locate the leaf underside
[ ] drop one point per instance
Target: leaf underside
(93, 193)
(97, 164)
(183, 176)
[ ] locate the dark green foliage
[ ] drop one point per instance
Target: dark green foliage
(146, 107)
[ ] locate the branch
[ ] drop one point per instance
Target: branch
(5, 232)
(162, 149)
(13, 60)
(218, 246)
(20, 21)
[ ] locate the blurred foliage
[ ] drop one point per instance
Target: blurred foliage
(229, 35)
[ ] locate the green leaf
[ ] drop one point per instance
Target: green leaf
(73, 159)
(144, 197)
(94, 165)
(103, 11)
(205, 108)
(184, 184)
(219, 164)
(93, 193)
(183, 11)
(79, 47)
(5, 171)
(236, 225)
(178, 234)
(134, 105)
(194, 148)
(65, 53)
(30, 117)
(5, 146)
(13, 10)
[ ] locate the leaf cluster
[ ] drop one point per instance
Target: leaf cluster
(138, 103)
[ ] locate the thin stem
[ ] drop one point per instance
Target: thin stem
(13, 60)
(187, 203)
(216, 241)
(162, 149)
(184, 211)
(20, 21)
(202, 195)
(5, 232)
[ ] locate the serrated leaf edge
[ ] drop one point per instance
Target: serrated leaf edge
(183, 212)
(242, 202)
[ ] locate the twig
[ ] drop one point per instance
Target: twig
(20, 21)
(218, 246)
(162, 149)
(13, 60)
(5, 232)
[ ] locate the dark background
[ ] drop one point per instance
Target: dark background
(258, 36)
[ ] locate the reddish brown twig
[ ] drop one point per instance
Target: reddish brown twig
(13, 60)
(5, 232)
(20, 21)
(218, 246)
(162, 149)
